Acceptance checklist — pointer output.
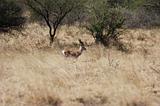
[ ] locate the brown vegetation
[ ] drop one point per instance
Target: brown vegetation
(34, 74)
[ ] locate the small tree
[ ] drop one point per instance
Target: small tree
(104, 22)
(10, 14)
(53, 12)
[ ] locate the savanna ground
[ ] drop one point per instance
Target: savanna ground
(34, 74)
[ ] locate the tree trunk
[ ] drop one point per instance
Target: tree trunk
(51, 40)
(52, 36)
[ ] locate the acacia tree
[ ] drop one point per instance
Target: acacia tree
(53, 12)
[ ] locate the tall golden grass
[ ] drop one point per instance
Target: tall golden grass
(34, 74)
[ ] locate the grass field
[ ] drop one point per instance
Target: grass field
(34, 74)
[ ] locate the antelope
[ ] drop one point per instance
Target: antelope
(74, 52)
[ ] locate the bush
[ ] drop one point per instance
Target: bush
(105, 22)
(141, 18)
(142, 14)
(153, 6)
(10, 14)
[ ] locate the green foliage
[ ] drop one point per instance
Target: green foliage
(153, 6)
(78, 14)
(55, 8)
(130, 4)
(10, 14)
(135, 4)
(104, 22)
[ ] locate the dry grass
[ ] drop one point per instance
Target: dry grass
(33, 74)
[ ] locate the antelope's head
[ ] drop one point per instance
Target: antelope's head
(82, 47)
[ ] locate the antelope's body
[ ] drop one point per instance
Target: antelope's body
(70, 52)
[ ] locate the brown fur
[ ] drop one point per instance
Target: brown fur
(74, 52)
(69, 53)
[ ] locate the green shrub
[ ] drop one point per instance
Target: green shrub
(153, 6)
(10, 14)
(105, 22)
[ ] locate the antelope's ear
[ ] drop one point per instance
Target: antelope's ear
(80, 41)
